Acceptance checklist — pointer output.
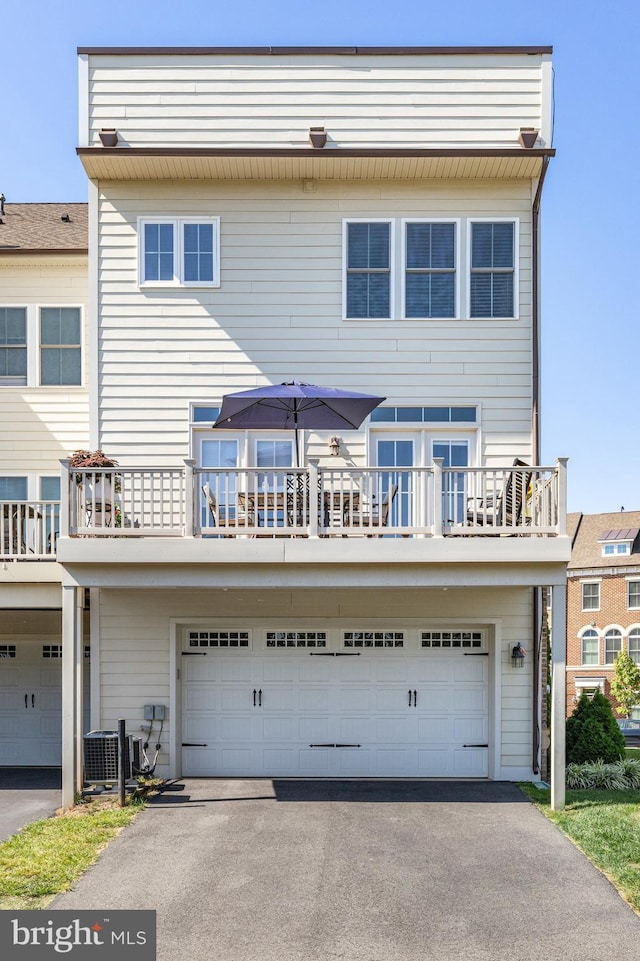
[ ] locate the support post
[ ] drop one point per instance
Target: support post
(65, 493)
(437, 496)
(69, 695)
(189, 498)
(122, 775)
(314, 491)
(562, 495)
(558, 694)
(79, 688)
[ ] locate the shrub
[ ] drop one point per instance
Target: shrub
(619, 776)
(593, 733)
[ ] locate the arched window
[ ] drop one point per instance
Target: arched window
(590, 646)
(612, 644)
(634, 644)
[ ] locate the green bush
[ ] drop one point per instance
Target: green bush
(593, 733)
(620, 776)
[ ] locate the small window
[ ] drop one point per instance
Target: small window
(430, 270)
(590, 647)
(60, 350)
(633, 595)
(181, 252)
(288, 639)
(591, 597)
(368, 262)
(220, 639)
(373, 639)
(13, 488)
(13, 346)
(492, 269)
(612, 645)
(634, 645)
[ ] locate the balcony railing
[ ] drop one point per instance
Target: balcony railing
(29, 530)
(315, 502)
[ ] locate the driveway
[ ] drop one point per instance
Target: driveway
(27, 794)
(259, 870)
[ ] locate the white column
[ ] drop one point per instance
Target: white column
(437, 496)
(69, 696)
(79, 688)
(558, 694)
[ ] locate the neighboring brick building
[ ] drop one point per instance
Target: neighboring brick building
(603, 599)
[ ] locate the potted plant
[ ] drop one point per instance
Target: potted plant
(97, 487)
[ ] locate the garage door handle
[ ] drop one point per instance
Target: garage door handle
(26, 700)
(33, 700)
(193, 744)
(413, 694)
(260, 698)
(475, 745)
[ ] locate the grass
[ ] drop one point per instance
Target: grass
(605, 825)
(46, 857)
(632, 752)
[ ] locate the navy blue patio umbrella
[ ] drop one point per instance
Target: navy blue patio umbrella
(296, 406)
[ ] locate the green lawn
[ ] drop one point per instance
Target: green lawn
(605, 825)
(46, 857)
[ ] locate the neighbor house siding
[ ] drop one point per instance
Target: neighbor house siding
(40, 425)
(278, 312)
(135, 637)
(363, 101)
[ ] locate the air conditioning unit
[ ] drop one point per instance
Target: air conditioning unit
(101, 757)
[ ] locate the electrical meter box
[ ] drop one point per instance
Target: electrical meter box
(154, 712)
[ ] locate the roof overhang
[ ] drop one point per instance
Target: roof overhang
(195, 163)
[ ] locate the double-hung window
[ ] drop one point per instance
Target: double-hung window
(430, 269)
(633, 595)
(612, 645)
(591, 596)
(590, 643)
(368, 269)
(634, 645)
(13, 346)
(493, 272)
(60, 348)
(179, 252)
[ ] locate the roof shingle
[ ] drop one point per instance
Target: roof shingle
(40, 227)
(587, 539)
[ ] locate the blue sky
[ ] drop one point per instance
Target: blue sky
(590, 407)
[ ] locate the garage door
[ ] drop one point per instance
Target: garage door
(30, 703)
(353, 703)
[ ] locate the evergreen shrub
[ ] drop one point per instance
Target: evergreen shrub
(593, 733)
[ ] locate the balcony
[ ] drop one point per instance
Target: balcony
(311, 502)
(29, 530)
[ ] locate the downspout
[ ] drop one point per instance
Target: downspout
(535, 440)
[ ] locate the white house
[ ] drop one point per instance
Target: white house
(44, 414)
(355, 218)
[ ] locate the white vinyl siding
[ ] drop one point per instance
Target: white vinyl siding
(180, 252)
(39, 424)
(363, 100)
(278, 313)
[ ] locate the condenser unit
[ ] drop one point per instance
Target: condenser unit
(101, 757)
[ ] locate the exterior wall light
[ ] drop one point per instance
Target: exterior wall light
(109, 137)
(334, 446)
(317, 136)
(518, 655)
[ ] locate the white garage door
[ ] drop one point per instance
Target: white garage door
(30, 703)
(335, 704)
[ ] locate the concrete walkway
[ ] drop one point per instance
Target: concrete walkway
(358, 871)
(27, 794)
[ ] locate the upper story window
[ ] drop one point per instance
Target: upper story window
(591, 596)
(179, 252)
(634, 645)
(60, 350)
(492, 281)
(13, 346)
(612, 645)
(368, 257)
(611, 550)
(439, 415)
(430, 269)
(589, 646)
(633, 595)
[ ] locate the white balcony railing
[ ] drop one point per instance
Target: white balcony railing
(315, 502)
(29, 530)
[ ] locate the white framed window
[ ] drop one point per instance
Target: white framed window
(179, 251)
(633, 595)
(13, 346)
(493, 268)
(591, 595)
(430, 274)
(14, 488)
(589, 647)
(368, 269)
(60, 347)
(634, 644)
(612, 644)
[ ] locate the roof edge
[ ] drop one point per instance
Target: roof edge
(332, 153)
(316, 51)
(13, 251)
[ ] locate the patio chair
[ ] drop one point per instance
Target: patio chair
(370, 514)
(508, 508)
(223, 520)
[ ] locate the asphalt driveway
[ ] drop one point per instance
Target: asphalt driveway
(27, 794)
(259, 870)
